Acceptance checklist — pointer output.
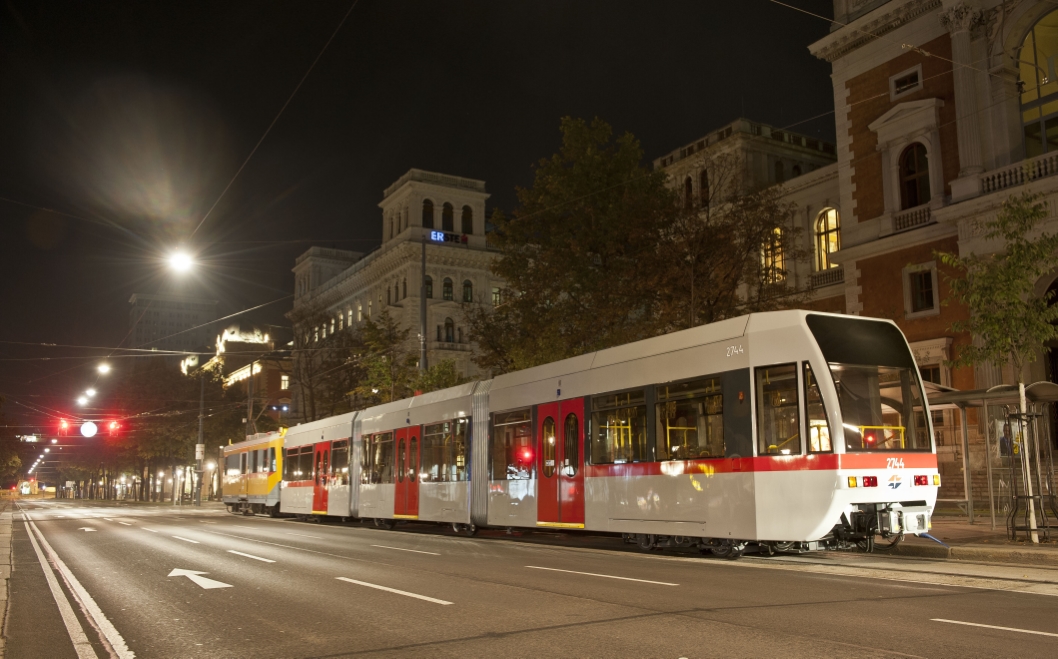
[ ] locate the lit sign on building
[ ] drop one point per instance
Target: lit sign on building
(444, 237)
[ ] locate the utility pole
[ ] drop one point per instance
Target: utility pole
(422, 310)
(251, 428)
(200, 447)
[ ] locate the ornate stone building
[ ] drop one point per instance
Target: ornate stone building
(444, 213)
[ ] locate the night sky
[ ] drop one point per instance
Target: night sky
(132, 117)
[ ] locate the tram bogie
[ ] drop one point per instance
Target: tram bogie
(780, 431)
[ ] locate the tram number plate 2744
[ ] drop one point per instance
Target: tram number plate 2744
(734, 350)
(894, 463)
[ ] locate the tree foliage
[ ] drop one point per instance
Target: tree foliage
(327, 370)
(1008, 321)
(602, 251)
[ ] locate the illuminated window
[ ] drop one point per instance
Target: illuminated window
(468, 291)
(284, 381)
(828, 237)
(359, 312)
(773, 258)
(468, 220)
(448, 218)
(446, 289)
(427, 213)
(497, 296)
(341, 321)
(1039, 86)
(349, 323)
(914, 176)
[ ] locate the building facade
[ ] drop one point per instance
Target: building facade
(441, 214)
(168, 321)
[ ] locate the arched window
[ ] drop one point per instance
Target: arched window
(773, 258)
(427, 213)
(450, 330)
(688, 193)
(468, 291)
(703, 187)
(828, 237)
(796, 171)
(429, 287)
(405, 288)
(468, 220)
(448, 222)
(1039, 86)
(446, 289)
(914, 176)
(359, 312)
(780, 172)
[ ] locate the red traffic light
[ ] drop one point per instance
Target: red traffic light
(113, 427)
(64, 426)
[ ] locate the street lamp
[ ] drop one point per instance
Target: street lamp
(82, 400)
(181, 261)
(103, 368)
(90, 393)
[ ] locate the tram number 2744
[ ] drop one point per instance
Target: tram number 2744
(734, 350)
(894, 463)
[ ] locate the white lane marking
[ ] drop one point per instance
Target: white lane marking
(194, 542)
(311, 551)
(125, 523)
(1006, 629)
(146, 529)
(393, 590)
(432, 553)
(256, 558)
(607, 576)
(88, 605)
(194, 576)
(303, 535)
(81, 645)
(109, 519)
(86, 529)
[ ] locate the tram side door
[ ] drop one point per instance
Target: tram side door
(560, 479)
(400, 496)
(411, 482)
(321, 477)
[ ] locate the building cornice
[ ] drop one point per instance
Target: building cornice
(869, 27)
(894, 242)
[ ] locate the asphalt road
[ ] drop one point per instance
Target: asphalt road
(262, 587)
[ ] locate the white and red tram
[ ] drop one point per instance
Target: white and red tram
(777, 427)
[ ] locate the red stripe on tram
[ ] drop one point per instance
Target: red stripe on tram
(817, 462)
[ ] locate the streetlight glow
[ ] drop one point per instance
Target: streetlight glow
(181, 261)
(82, 400)
(90, 393)
(103, 368)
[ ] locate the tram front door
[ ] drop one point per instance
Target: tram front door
(406, 499)
(321, 477)
(560, 465)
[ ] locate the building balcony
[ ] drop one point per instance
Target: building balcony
(828, 277)
(912, 218)
(1019, 173)
(449, 345)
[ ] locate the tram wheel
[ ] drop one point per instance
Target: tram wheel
(273, 511)
(384, 523)
(646, 542)
(469, 530)
(784, 546)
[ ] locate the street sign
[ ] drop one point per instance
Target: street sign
(193, 575)
(200, 451)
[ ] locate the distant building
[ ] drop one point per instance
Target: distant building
(752, 155)
(447, 214)
(168, 321)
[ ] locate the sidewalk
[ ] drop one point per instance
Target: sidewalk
(978, 542)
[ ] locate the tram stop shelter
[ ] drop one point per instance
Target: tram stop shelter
(989, 452)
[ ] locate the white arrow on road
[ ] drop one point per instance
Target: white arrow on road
(86, 529)
(201, 581)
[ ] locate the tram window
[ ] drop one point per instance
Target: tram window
(512, 446)
(444, 452)
(366, 459)
(619, 428)
(242, 462)
(778, 417)
(272, 459)
(383, 458)
(262, 461)
(816, 413)
(413, 458)
(547, 446)
(340, 462)
(290, 465)
(571, 439)
(400, 461)
(252, 462)
(690, 420)
(231, 464)
(305, 463)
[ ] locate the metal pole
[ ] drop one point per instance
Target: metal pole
(422, 310)
(200, 446)
(988, 466)
(1022, 418)
(250, 426)
(967, 486)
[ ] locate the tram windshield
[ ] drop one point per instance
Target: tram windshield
(876, 380)
(878, 408)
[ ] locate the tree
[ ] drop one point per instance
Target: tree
(389, 367)
(10, 462)
(327, 369)
(441, 375)
(579, 255)
(1009, 323)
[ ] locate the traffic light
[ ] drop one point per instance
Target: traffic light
(113, 427)
(64, 426)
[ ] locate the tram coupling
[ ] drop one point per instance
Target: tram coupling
(879, 526)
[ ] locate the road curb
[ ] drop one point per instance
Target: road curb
(5, 569)
(997, 554)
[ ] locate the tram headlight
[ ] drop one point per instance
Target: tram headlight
(936, 479)
(852, 481)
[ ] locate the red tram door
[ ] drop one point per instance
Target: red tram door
(406, 499)
(321, 477)
(560, 466)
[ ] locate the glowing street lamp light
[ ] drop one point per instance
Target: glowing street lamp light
(103, 368)
(181, 261)
(90, 393)
(82, 400)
